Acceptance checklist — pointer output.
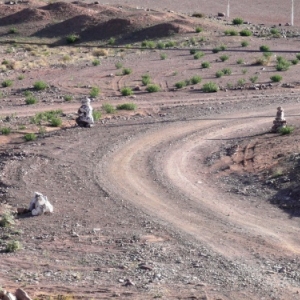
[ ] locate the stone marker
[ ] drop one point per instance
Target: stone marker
(279, 121)
(85, 114)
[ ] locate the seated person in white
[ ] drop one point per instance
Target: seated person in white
(40, 205)
(85, 114)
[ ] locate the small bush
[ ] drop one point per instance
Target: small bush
(68, 97)
(231, 32)
(244, 44)
(276, 78)
(118, 65)
(267, 54)
(245, 32)
(198, 15)
(198, 29)
(96, 115)
(240, 61)
(198, 55)
(55, 122)
(222, 47)
(108, 108)
(40, 85)
(13, 30)
(210, 87)
(195, 79)
(264, 48)
(283, 65)
(180, 84)
(5, 130)
(205, 65)
(7, 220)
(241, 82)
(148, 44)
(163, 56)
(216, 50)
(170, 44)
(96, 62)
(219, 74)
(146, 79)
(274, 31)
(100, 52)
(111, 41)
(95, 91)
(13, 246)
(21, 77)
(298, 56)
(126, 71)
(244, 71)
(227, 71)
(295, 61)
(126, 91)
(224, 57)
(160, 45)
(193, 51)
(237, 21)
(72, 38)
(253, 79)
(286, 130)
(27, 93)
(30, 100)
(30, 137)
(127, 106)
(7, 83)
(152, 88)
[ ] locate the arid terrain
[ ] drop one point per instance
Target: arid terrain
(186, 194)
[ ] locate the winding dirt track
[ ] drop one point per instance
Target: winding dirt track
(157, 172)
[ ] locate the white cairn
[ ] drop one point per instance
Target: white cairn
(40, 205)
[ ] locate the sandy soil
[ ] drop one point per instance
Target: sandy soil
(185, 198)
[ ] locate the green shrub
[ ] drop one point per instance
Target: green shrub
(195, 79)
(126, 71)
(27, 93)
(127, 106)
(118, 65)
(40, 85)
(198, 15)
(111, 41)
(241, 82)
(30, 137)
(45, 116)
(126, 91)
(245, 32)
(68, 97)
(163, 56)
(170, 44)
(298, 56)
(160, 45)
(95, 91)
(108, 108)
(13, 30)
(72, 38)
(283, 65)
(210, 87)
(274, 31)
(295, 61)
(13, 246)
(198, 55)
(205, 65)
(237, 21)
(96, 115)
(253, 79)
(240, 61)
(264, 48)
(231, 32)
(5, 130)
(267, 54)
(286, 130)
(180, 84)
(219, 74)
(244, 71)
(227, 71)
(55, 122)
(152, 88)
(216, 50)
(21, 77)
(7, 220)
(96, 62)
(30, 100)
(148, 44)
(223, 47)
(244, 44)
(7, 83)
(198, 29)
(146, 79)
(193, 51)
(276, 78)
(224, 57)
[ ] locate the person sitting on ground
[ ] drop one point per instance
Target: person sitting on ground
(85, 114)
(40, 205)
